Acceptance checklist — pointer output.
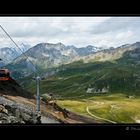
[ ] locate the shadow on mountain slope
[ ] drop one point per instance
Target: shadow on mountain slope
(11, 87)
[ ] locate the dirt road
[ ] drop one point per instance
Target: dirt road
(49, 115)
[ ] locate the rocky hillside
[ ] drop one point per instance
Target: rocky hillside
(12, 112)
(18, 106)
(111, 53)
(11, 87)
(46, 55)
(8, 54)
(80, 79)
(15, 112)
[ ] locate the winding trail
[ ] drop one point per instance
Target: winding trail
(87, 109)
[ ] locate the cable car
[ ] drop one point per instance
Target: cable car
(4, 75)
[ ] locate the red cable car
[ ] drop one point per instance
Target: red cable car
(4, 75)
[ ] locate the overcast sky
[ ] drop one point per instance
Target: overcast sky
(78, 31)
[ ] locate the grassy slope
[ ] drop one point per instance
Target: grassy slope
(70, 84)
(116, 107)
(75, 78)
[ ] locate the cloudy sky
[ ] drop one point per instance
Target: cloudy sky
(79, 31)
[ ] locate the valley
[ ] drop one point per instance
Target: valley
(106, 89)
(114, 109)
(70, 70)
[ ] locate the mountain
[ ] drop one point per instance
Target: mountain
(46, 55)
(8, 54)
(84, 51)
(118, 74)
(80, 79)
(110, 54)
(24, 47)
(2, 63)
(87, 50)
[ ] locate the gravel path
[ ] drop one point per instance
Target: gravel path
(87, 109)
(48, 120)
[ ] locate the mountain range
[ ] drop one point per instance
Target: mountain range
(46, 55)
(8, 54)
(111, 53)
(114, 70)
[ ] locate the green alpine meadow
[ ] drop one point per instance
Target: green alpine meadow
(108, 91)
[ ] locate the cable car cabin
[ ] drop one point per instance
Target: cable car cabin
(4, 74)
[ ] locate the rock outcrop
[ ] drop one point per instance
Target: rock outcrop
(11, 112)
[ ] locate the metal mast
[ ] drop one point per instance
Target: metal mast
(38, 94)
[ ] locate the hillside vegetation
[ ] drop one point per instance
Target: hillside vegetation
(108, 91)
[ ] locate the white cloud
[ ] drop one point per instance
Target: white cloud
(124, 35)
(78, 31)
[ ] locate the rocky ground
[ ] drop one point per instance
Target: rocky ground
(12, 112)
(18, 106)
